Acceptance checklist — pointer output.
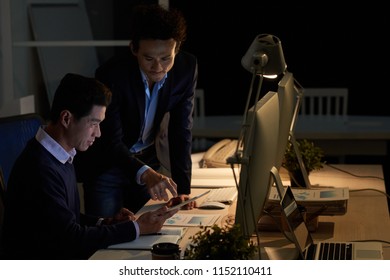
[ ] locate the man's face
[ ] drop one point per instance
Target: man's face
(156, 58)
(82, 133)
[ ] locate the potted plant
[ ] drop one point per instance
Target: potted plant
(312, 157)
(220, 243)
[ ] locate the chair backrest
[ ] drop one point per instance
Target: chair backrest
(199, 144)
(325, 102)
(199, 106)
(2, 201)
(15, 131)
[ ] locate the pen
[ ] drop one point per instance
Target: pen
(155, 233)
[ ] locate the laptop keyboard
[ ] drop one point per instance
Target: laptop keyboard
(224, 195)
(335, 251)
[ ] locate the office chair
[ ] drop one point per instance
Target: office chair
(199, 144)
(15, 131)
(2, 202)
(2, 198)
(324, 103)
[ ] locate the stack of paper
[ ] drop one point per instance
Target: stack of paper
(214, 177)
(319, 201)
(315, 202)
(192, 220)
(145, 242)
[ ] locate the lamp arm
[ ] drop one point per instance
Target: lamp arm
(292, 139)
(239, 157)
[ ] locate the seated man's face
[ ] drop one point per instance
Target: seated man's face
(82, 133)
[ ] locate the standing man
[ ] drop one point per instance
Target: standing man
(153, 99)
(42, 218)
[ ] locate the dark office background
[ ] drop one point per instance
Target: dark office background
(324, 46)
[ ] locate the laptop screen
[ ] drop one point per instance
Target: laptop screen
(295, 221)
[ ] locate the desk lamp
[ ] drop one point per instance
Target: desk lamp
(264, 56)
(265, 59)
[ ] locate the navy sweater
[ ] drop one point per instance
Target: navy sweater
(42, 217)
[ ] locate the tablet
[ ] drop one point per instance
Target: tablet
(178, 206)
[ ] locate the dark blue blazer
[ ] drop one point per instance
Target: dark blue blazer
(125, 115)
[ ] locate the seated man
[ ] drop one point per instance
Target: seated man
(42, 218)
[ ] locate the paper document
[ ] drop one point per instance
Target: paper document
(192, 220)
(212, 183)
(145, 242)
(214, 173)
(214, 177)
(321, 201)
(311, 195)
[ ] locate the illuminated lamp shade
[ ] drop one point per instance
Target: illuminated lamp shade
(265, 56)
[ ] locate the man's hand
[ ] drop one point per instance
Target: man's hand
(123, 215)
(152, 222)
(178, 199)
(158, 185)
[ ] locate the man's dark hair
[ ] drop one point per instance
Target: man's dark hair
(155, 22)
(79, 94)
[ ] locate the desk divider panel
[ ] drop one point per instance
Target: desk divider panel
(60, 23)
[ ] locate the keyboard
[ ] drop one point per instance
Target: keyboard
(224, 195)
(330, 251)
(335, 251)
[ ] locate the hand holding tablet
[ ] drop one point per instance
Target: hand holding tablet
(185, 202)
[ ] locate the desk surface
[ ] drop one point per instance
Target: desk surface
(367, 216)
(351, 127)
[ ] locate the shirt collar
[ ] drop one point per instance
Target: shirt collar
(54, 147)
(159, 83)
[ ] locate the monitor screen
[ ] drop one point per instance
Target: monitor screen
(260, 144)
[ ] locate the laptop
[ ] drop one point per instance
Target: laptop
(324, 250)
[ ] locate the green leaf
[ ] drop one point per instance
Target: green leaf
(312, 156)
(220, 243)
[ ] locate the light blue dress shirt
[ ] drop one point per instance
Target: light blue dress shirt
(54, 147)
(151, 99)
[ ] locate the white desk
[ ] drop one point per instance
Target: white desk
(367, 216)
(355, 135)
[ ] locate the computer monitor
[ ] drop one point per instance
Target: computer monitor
(290, 95)
(288, 100)
(260, 144)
